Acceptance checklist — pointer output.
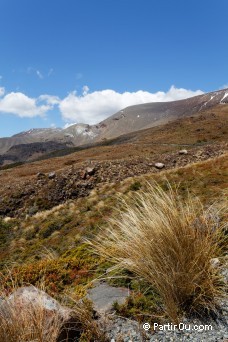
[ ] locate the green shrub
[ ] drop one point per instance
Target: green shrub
(5, 232)
(135, 186)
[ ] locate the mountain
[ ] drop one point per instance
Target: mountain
(127, 120)
(203, 135)
(147, 115)
(49, 208)
(30, 151)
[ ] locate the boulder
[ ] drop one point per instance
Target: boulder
(90, 171)
(51, 175)
(83, 174)
(159, 165)
(103, 296)
(183, 152)
(40, 175)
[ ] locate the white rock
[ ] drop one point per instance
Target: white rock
(51, 175)
(159, 165)
(183, 152)
(215, 262)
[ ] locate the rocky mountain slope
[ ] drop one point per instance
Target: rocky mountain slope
(153, 114)
(48, 208)
(128, 120)
(26, 152)
(47, 183)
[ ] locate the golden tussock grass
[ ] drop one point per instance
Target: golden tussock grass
(169, 243)
(27, 324)
(33, 322)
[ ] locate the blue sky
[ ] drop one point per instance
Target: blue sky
(67, 61)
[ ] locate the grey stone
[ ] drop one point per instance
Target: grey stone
(90, 171)
(51, 175)
(103, 296)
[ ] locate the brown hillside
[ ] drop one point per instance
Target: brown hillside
(29, 186)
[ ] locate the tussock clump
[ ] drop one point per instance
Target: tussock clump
(169, 243)
(26, 321)
(30, 324)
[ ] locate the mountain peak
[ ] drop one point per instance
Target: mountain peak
(127, 120)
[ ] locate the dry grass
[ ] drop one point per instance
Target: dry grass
(170, 244)
(30, 321)
(181, 131)
(30, 324)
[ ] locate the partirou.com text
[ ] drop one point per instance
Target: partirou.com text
(174, 327)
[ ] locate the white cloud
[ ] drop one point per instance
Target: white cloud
(2, 91)
(39, 74)
(50, 99)
(88, 108)
(23, 106)
(85, 90)
(96, 106)
(31, 70)
(50, 72)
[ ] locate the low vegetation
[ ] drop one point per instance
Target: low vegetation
(169, 243)
(166, 238)
(28, 325)
(33, 321)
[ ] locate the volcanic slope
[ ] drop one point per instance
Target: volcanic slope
(127, 120)
(81, 191)
(147, 115)
(30, 187)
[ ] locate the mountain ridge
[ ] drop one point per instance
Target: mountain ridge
(127, 120)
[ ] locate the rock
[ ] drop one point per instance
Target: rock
(103, 296)
(40, 175)
(90, 171)
(83, 174)
(183, 152)
(51, 175)
(33, 210)
(159, 165)
(36, 303)
(215, 262)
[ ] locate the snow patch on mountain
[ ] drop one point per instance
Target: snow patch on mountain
(226, 94)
